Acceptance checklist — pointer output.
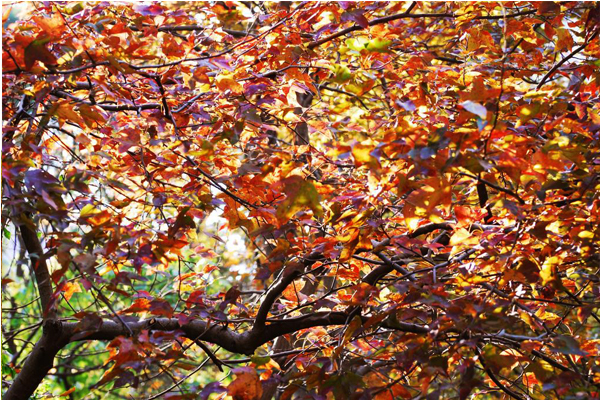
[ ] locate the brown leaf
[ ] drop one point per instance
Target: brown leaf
(548, 7)
(37, 51)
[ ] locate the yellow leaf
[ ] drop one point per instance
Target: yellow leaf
(549, 272)
(88, 210)
(410, 218)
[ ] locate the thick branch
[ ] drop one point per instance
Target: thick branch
(39, 267)
(240, 343)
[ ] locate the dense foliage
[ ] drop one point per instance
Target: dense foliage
(301, 200)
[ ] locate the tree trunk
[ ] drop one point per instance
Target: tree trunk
(39, 362)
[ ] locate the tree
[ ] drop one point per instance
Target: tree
(301, 200)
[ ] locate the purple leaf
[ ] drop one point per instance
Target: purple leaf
(356, 16)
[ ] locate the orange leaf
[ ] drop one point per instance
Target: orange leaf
(226, 82)
(66, 111)
(70, 288)
(246, 385)
(292, 292)
(53, 27)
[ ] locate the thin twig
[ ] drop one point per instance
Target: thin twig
(179, 382)
(567, 58)
(494, 186)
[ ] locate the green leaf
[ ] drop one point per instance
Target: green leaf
(379, 45)
(260, 357)
(357, 44)
(376, 45)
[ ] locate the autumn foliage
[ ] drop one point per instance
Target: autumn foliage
(301, 200)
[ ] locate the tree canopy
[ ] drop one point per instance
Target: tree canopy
(301, 200)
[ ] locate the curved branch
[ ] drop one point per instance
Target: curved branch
(107, 107)
(235, 342)
(287, 277)
(376, 21)
(272, 295)
(193, 28)
(395, 266)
